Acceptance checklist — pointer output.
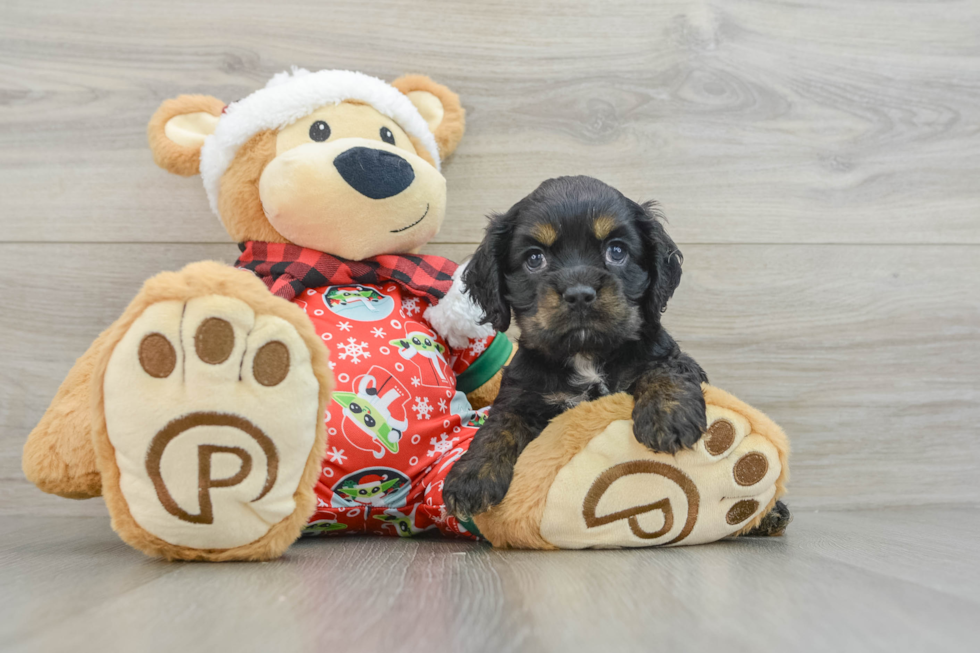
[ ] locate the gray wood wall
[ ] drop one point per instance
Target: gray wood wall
(818, 162)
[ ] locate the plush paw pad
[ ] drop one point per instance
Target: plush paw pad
(212, 412)
(616, 492)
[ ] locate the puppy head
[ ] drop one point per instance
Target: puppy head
(582, 267)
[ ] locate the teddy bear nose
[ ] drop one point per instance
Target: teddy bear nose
(374, 173)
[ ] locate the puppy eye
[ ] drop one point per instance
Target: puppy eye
(387, 136)
(535, 260)
(616, 254)
(319, 131)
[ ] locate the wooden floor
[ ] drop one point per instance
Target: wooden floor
(819, 163)
(884, 580)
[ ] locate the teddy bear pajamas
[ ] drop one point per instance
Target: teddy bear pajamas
(398, 418)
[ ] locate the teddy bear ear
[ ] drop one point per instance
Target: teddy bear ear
(177, 131)
(439, 107)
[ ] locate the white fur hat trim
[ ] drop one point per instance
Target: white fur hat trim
(290, 96)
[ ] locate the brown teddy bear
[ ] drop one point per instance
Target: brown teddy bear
(216, 426)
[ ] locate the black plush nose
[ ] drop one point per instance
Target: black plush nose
(374, 173)
(579, 296)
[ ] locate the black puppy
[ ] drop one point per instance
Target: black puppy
(587, 273)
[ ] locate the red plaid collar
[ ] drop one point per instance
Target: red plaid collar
(288, 270)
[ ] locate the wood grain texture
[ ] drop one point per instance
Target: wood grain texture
(884, 580)
(866, 355)
(756, 121)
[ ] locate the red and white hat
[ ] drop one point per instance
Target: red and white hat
(289, 96)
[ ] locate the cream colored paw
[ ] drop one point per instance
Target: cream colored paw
(617, 493)
(212, 412)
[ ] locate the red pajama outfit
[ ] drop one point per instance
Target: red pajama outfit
(398, 418)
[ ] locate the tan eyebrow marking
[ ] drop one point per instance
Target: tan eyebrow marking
(545, 234)
(603, 226)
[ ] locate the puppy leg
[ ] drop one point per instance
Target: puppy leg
(481, 477)
(774, 523)
(669, 412)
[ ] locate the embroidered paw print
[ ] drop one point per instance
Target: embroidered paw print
(617, 493)
(212, 412)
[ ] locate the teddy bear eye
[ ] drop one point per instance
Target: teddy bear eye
(319, 131)
(387, 136)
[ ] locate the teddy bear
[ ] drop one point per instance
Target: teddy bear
(327, 382)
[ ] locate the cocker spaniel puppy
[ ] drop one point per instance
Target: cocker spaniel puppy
(587, 274)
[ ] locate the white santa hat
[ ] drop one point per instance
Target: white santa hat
(290, 96)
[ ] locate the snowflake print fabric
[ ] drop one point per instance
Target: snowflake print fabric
(422, 408)
(396, 421)
(353, 350)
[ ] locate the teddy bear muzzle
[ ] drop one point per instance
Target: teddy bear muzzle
(315, 193)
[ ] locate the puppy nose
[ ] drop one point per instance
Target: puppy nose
(579, 296)
(374, 173)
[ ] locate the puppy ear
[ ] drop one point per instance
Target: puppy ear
(177, 131)
(484, 274)
(439, 107)
(663, 260)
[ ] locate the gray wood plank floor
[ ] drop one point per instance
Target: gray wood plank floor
(884, 580)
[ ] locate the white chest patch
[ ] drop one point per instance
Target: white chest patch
(586, 374)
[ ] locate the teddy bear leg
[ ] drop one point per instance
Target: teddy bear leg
(586, 482)
(59, 457)
(208, 403)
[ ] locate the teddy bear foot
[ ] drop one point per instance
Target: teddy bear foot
(213, 427)
(586, 482)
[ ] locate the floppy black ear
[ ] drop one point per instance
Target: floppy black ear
(484, 275)
(663, 260)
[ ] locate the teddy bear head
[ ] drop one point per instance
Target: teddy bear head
(333, 160)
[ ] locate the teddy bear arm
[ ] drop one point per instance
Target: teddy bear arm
(486, 394)
(59, 456)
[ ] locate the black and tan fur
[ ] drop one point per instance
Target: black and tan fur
(590, 326)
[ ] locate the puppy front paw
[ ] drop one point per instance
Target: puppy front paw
(669, 424)
(474, 488)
